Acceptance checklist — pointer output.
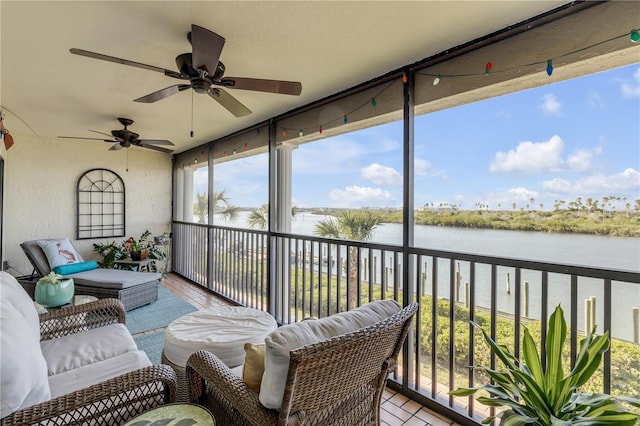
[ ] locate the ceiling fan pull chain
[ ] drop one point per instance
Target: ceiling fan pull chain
(191, 113)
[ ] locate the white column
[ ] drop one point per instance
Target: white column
(283, 196)
(178, 195)
(187, 195)
(282, 211)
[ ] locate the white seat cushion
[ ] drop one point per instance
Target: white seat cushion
(223, 330)
(289, 337)
(89, 375)
(11, 290)
(23, 370)
(91, 346)
(113, 278)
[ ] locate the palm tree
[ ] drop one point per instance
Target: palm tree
(221, 205)
(259, 218)
(355, 225)
(201, 207)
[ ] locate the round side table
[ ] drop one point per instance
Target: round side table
(190, 414)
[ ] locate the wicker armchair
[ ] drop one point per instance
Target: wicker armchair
(336, 381)
(107, 403)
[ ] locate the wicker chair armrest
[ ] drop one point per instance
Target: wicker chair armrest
(204, 368)
(122, 397)
(65, 321)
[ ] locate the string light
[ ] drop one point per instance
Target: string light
(195, 161)
(633, 34)
(234, 151)
(246, 146)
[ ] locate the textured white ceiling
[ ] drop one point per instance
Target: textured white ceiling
(329, 46)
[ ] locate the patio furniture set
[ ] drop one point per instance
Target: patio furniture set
(81, 365)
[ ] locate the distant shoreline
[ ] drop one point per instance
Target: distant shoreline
(620, 224)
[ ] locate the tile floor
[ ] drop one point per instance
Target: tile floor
(397, 409)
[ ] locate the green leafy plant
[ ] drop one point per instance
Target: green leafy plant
(51, 278)
(539, 396)
(114, 251)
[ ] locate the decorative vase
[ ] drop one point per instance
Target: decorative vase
(52, 295)
(139, 255)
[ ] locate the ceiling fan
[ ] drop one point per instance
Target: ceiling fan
(205, 73)
(124, 138)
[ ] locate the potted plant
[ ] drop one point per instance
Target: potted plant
(54, 290)
(543, 396)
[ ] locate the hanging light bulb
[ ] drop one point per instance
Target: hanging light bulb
(300, 133)
(346, 120)
(246, 146)
(404, 78)
(487, 68)
(195, 161)
(320, 129)
(284, 132)
(634, 36)
(234, 151)
(436, 80)
(373, 102)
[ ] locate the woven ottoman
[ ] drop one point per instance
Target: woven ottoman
(222, 331)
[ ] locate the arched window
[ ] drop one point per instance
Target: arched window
(100, 205)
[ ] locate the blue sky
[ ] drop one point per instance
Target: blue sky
(577, 138)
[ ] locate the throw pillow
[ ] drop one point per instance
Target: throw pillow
(59, 252)
(72, 268)
(253, 365)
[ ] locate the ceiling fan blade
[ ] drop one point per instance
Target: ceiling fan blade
(207, 47)
(261, 85)
(155, 142)
(116, 147)
(101, 133)
(155, 148)
(161, 94)
(87, 139)
(126, 62)
(233, 105)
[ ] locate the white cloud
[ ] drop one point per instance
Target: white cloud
(531, 157)
(626, 181)
(580, 161)
(551, 105)
(381, 175)
(632, 90)
(536, 157)
(421, 167)
(357, 196)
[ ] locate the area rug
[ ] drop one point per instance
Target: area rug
(152, 345)
(158, 314)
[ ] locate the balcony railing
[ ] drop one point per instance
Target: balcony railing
(296, 277)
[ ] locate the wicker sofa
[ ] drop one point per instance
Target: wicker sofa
(132, 288)
(337, 376)
(76, 365)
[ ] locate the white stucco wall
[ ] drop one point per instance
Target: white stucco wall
(40, 191)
